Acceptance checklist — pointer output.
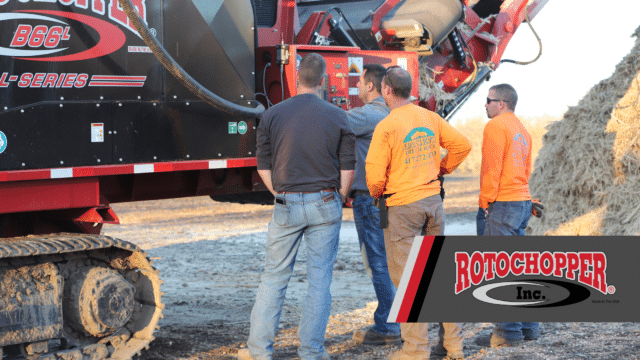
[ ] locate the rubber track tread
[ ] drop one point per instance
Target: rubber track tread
(124, 343)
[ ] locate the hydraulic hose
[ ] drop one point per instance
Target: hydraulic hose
(178, 72)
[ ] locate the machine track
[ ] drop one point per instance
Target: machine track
(106, 288)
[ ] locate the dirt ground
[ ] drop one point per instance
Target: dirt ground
(210, 256)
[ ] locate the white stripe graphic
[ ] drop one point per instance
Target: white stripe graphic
(406, 276)
(143, 168)
(217, 164)
(61, 173)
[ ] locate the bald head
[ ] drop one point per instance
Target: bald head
(399, 80)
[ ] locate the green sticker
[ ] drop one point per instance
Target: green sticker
(242, 127)
(233, 128)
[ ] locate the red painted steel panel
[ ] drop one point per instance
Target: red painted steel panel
(49, 195)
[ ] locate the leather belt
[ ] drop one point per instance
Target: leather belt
(307, 192)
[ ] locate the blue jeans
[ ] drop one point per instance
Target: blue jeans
(508, 218)
(511, 218)
(481, 221)
(374, 257)
(318, 218)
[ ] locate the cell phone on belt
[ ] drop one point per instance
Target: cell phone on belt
(279, 201)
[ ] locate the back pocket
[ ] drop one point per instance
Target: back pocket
(281, 214)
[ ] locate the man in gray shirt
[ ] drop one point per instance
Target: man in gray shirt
(306, 159)
(363, 121)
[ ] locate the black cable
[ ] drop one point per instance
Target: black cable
(178, 72)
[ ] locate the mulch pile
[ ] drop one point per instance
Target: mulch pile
(587, 172)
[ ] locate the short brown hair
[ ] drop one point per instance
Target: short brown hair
(400, 81)
(507, 94)
(311, 70)
(373, 73)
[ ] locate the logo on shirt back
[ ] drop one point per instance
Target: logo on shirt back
(420, 146)
(520, 150)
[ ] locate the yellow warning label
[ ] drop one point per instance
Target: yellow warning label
(355, 66)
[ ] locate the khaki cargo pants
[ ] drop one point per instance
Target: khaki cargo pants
(422, 217)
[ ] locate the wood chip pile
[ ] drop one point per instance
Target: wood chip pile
(587, 172)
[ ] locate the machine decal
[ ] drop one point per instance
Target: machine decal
(355, 66)
(34, 37)
(233, 128)
(117, 81)
(111, 38)
(402, 62)
(97, 132)
(242, 127)
(3, 142)
(89, 171)
(44, 80)
(353, 91)
(140, 49)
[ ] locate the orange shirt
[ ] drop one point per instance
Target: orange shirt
(506, 161)
(404, 155)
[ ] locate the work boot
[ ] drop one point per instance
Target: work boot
(368, 336)
(409, 355)
(530, 334)
(244, 354)
(496, 341)
(452, 353)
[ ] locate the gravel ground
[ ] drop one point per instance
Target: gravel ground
(210, 256)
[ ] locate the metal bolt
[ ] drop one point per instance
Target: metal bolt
(98, 160)
(22, 164)
(254, 128)
(241, 96)
(61, 105)
(5, 108)
(120, 159)
(175, 96)
(188, 156)
(22, 110)
(253, 28)
(101, 97)
(253, 73)
(61, 97)
(155, 158)
(187, 104)
(109, 132)
(219, 154)
(114, 132)
(275, 30)
(97, 105)
(61, 162)
(249, 152)
(249, 102)
(119, 104)
(139, 97)
(154, 104)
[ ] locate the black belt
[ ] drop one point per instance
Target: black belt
(356, 193)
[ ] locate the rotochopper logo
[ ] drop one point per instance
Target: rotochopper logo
(42, 33)
(588, 268)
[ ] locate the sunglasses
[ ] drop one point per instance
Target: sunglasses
(490, 100)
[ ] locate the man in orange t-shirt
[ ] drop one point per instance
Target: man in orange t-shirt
(504, 189)
(403, 164)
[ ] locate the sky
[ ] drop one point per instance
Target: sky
(582, 42)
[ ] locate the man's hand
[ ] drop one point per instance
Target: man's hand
(536, 208)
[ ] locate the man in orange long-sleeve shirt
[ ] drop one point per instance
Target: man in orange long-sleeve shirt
(403, 164)
(504, 189)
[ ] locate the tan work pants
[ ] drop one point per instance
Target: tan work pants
(422, 217)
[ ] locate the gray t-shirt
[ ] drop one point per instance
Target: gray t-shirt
(363, 121)
(305, 141)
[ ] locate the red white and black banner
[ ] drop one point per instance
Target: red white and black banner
(532, 278)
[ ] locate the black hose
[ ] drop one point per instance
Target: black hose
(178, 72)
